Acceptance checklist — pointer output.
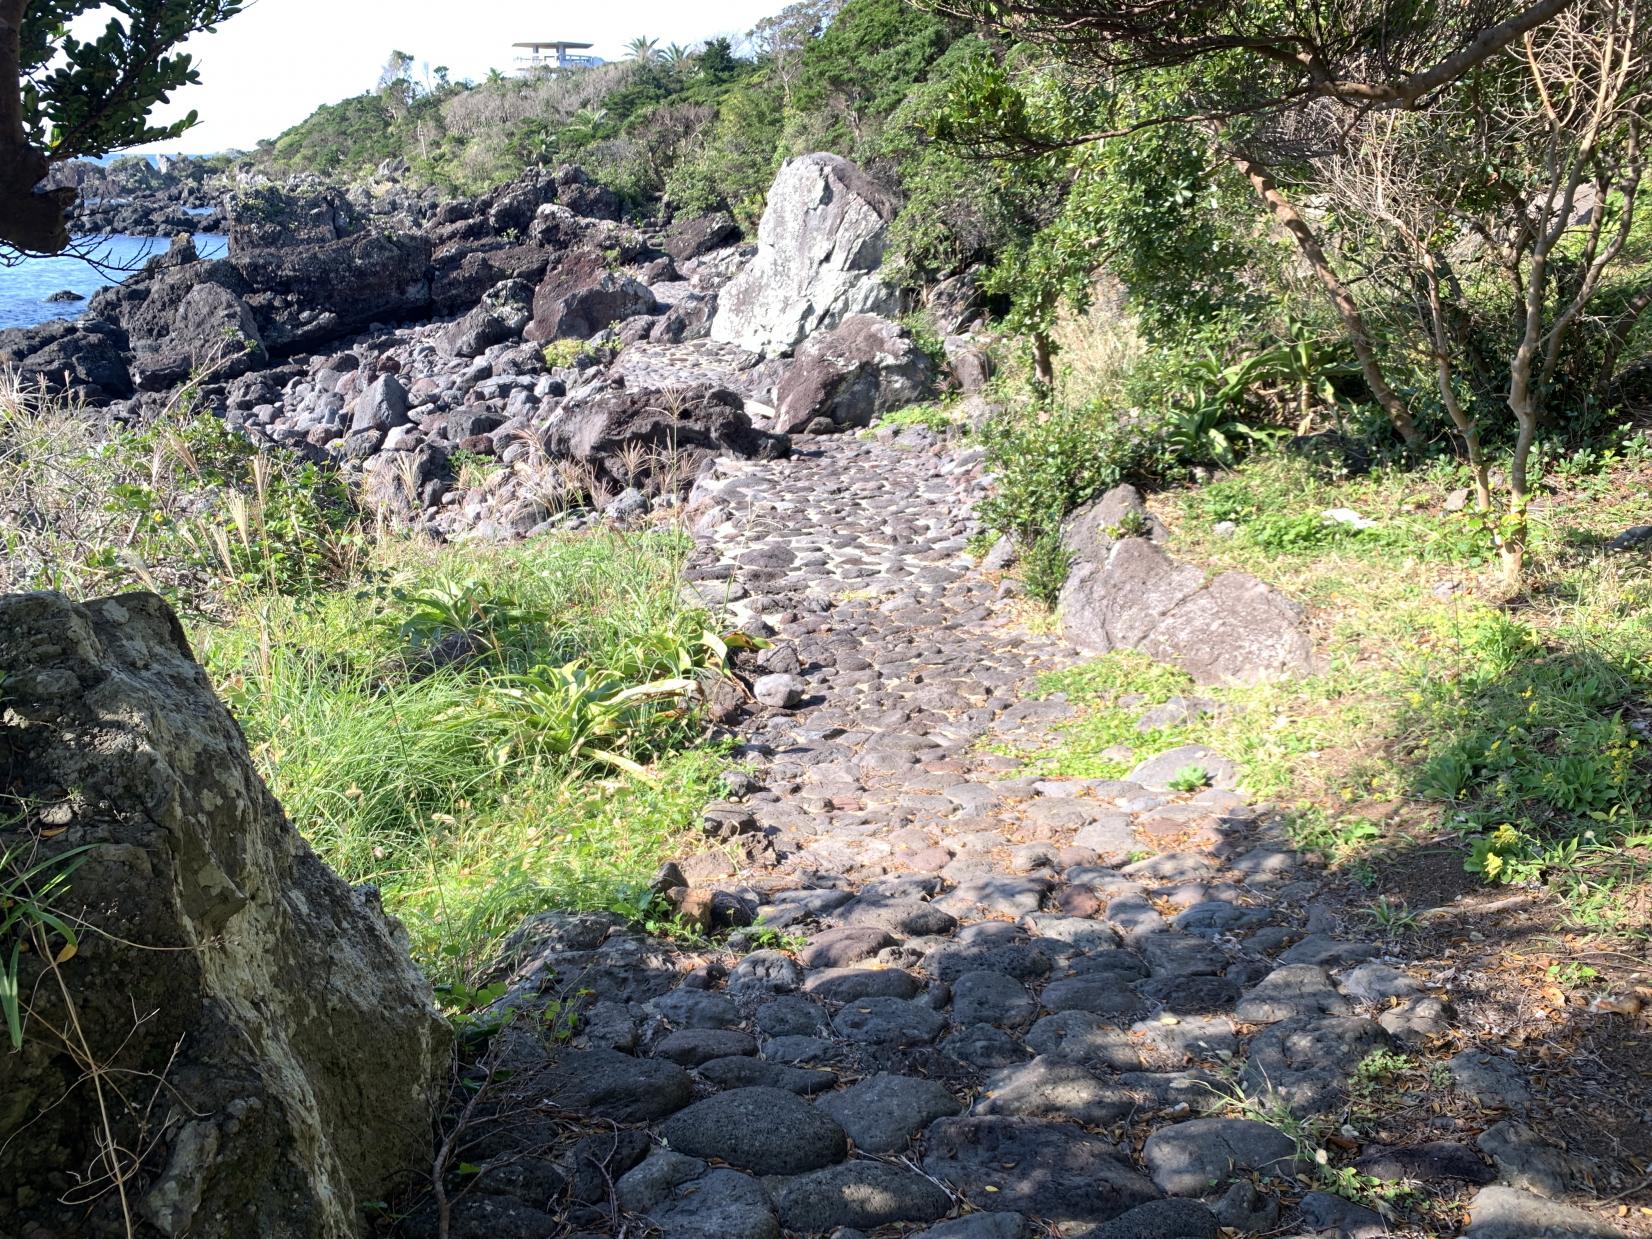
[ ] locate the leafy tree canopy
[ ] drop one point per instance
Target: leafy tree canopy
(63, 97)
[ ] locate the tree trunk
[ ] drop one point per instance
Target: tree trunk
(1353, 322)
(1043, 363)
(28, 220)
(1467, 427)
(1516, 532)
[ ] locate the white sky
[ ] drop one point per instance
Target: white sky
(275, 63)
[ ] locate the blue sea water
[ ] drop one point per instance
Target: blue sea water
(25, 287)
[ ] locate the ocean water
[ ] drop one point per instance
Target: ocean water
(25, 287)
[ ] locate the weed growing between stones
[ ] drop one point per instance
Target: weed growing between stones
(940, 417)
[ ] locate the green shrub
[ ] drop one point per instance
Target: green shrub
(561, 354)
(1045, 563)
(1047, 463)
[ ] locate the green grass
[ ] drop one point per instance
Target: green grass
(414, 776)
(1518, 722)
(939, 416)
(1113, 691)
(481, 733)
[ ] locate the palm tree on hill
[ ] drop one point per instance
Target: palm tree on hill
(642, 48)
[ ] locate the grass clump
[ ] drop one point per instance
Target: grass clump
(185, 507)
(482, 734)
(1519, 724)
(939, 416)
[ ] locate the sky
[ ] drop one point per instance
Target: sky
(268, 68)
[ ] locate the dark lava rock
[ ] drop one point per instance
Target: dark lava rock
(695, 425)
(689, 1047)
(861, 1194)
(758, 1073)
(1201, 1155)
(852, 984)
(764, 1130)
(84, 357)
(722, 1204)
(883, 1113)
(616, 1086)
(1049, 1088)
(1307, 1063)
(1162, 1219)
(1507, 1213)
(888, 1021)
(1435, 1162)
(1051, 1171)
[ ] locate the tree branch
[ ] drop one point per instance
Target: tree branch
(1406, 91)
(1342, 299)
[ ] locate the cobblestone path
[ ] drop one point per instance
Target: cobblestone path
(985, 1005)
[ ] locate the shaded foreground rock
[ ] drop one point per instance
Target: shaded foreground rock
(1507, 1213)
(1048, 1170)
(1197, 1157)
(764, 1130)
(862, 1194)
(279, 1053)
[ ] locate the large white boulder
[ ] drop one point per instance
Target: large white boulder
(819, 248)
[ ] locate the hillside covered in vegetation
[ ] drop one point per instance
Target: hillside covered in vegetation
(702, 128)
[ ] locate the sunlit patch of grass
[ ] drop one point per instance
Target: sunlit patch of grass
(1523, 723)
(375, 716)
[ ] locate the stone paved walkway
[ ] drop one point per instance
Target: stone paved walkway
(1000, 1006)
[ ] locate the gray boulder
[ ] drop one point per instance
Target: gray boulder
(1508, 1213)
(864, 367)
(1125, 592)
(218, 332)
(383, 406)
(819, 247)
(863, 1194)
(700, 234)
(723, 1204)
(969, 363)
(279, 1056)
(580, 296)
(685, 428)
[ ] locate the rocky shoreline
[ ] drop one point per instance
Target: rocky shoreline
(532, 335)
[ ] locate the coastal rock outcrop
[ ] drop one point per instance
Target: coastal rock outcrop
(83, 358)
(819, 247)
(241, 1044)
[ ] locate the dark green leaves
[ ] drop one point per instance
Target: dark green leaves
(86, 97)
